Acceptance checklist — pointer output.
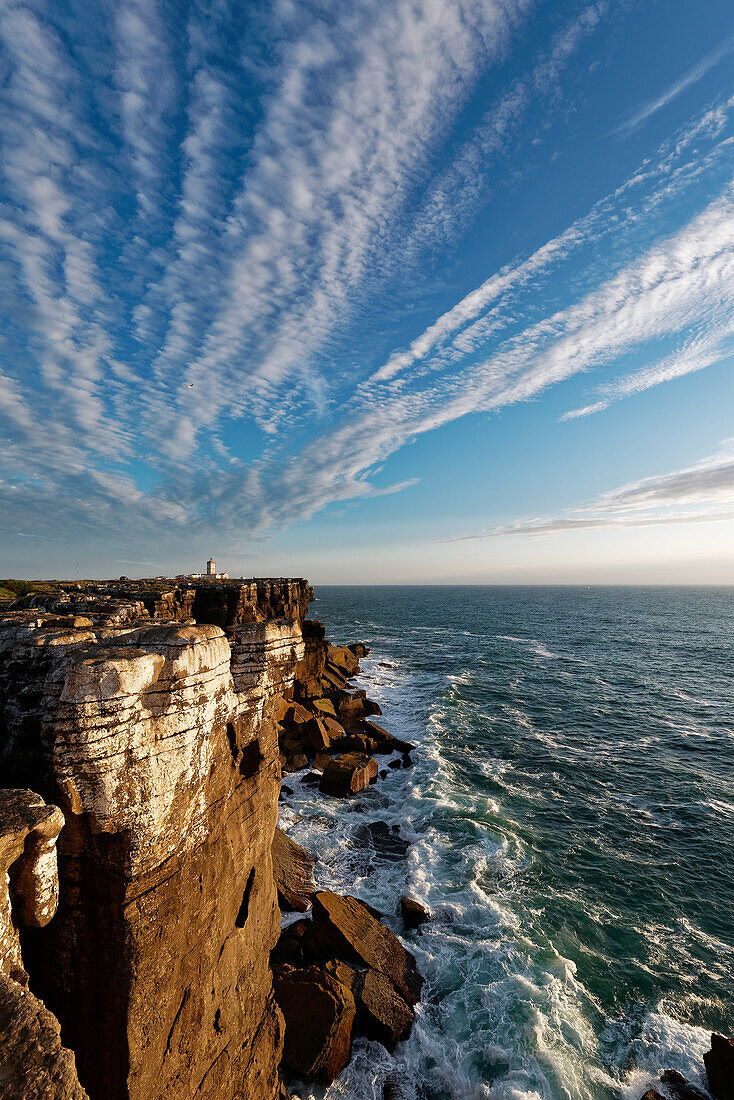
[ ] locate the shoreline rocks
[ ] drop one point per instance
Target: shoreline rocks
(413, 913)
(719, 1062)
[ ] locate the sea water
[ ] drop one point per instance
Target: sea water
(570, 819)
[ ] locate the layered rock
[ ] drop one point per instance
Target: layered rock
(157, 739)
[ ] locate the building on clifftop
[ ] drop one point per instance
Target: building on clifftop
(211, 573)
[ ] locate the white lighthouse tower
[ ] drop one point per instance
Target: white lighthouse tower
(211, 568)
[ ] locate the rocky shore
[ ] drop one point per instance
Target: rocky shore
(144, 732)
(147, 735)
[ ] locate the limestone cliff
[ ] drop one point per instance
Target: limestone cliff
(147, 717)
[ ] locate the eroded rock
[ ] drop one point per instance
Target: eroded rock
(29, 830)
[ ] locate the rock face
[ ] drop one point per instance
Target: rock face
(148, 718)
(28, 870)
(33, 1063)
(293, 871)
(719, 1062)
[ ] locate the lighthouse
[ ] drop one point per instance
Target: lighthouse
(211, 568)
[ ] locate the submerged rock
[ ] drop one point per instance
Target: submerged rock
(386, 841)
(413, 913)
(679, 1087)
(719, 1062)
(293, 871)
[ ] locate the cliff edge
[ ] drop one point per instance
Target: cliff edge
(146, 717)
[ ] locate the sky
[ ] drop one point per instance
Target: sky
(368, 291)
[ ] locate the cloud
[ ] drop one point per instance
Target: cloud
(202, 217)
(696, 494)
(641, 114)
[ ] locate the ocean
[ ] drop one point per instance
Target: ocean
(570, 825)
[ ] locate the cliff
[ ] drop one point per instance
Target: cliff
(146, 717)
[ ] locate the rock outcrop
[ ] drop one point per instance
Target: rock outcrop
(156, 720)
(33, 1061)
(148, 717)
(293, 872)
(719, 1062)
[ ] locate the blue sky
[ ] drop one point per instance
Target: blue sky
(388, 290)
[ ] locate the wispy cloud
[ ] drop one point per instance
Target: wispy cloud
(696, 494)
(195, 210)
(641, 114)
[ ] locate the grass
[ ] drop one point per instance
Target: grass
(15, 590)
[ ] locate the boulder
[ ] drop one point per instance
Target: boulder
(343, 927)
(321, 760)
(652, 1094)
(295, 762)
(324, 706)
(371, 707)
(350, 707)
(298, 716)
(316, 736)
(413, 913)
(334, 729)
(382, 1013)
(348, 774)
(359, 649)
(719, 1062)
(377, 733)
(357, 742)
(293, 871)
(319, 1012)
(343, 658)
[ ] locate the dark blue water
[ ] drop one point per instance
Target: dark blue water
(571, 814)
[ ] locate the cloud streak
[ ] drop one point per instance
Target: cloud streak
(696, 494)
(640, 116)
